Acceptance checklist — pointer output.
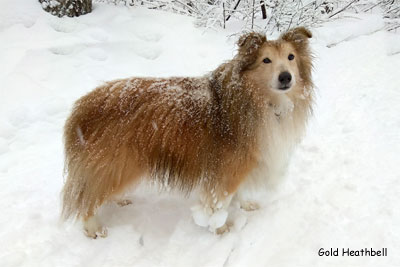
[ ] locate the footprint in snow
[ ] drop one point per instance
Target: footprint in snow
(98, 35)
(148, 53)
(28, 23)
(65, 26)
(62, 50)
(97, 54)
(148, 36)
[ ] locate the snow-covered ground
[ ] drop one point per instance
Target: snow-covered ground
(342, 188)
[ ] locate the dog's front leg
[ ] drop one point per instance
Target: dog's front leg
(213, 211)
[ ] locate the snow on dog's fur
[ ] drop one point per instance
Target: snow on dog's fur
(214, 132)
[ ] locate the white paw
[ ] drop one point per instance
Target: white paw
(214, 220)
(249, 205)
(217, 219)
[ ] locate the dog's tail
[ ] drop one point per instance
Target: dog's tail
(73, 200)
(95, 172)
(96, 156)
(80, 195)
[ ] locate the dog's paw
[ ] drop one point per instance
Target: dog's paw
(224, 228)
(124, 202)
(100, 232)
(249, 205)
(93, 229)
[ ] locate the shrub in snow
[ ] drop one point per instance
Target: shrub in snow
(270, 15)
(70, 8)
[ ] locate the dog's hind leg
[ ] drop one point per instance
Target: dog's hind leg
(120, 200)
(93, 227)
(243, 196)
(246, 204)
(123, 202)
(109, 184)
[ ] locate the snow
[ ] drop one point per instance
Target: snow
(341, 188)
(349, 27)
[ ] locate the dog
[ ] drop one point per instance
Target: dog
(218, 133)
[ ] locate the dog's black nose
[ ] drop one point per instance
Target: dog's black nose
(285, 78)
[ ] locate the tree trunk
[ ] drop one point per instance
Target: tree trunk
(70, 8)
(263, 11)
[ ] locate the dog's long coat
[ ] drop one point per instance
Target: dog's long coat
(213, 131)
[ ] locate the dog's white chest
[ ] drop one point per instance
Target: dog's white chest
(277, 140)
(284, 106)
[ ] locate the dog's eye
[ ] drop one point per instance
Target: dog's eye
(291, 57)
(267, 60)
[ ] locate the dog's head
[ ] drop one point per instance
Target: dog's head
(279, 65)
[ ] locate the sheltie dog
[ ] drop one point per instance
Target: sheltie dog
(218, 133)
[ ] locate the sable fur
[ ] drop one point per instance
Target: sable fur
(210, 131)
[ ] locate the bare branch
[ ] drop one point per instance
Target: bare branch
(343, 9)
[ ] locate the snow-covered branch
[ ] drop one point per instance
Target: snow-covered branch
(270, 15)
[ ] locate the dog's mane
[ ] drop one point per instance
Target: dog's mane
(236, 111)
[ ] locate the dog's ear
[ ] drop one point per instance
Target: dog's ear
(249, 44)
(297, 35)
